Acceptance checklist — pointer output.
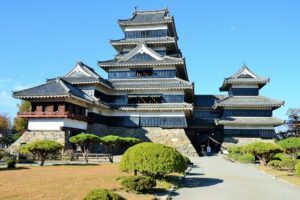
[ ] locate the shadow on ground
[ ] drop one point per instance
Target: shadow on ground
(200, 182)
(13, 169)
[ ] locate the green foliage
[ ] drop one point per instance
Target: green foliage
(138, 183)
(102, 194)
(297, 169)
(117, 140)
(11, 164)
(281, 157)
(246, 158)
(274, 164)
(234, 152)
(20, 125)
(290, 145)
(10, 138)
(84, 140)
(112, 140)
(235, 149)
(298, 155)
(3, 154)
(155, 160)
(187, 160)
(42, 149)
(285, 165)
(262, 150)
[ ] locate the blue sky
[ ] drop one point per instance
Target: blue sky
(40, 40)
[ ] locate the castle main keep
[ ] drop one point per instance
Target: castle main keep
(148, 95)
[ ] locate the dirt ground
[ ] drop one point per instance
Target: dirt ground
(60, 182)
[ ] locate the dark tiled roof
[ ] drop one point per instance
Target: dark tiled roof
(242, 78)
(248, 102)
(89, 77)
(152, 107)
(249, 121)
(166, 61)
(207, 101)
(52, 89)
(150, 84)
(147, 17)
(135, 41)
(86, 80)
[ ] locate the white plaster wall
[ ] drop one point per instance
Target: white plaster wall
(55, 124)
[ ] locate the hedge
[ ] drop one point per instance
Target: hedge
(102, 194)
(155, 160)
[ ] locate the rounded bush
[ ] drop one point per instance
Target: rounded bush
(11, 164)
(297, 169)
(155, 160)
(138, 183)
(284, 165)
(246, 158)
(187, 160)
(264, 151)
(274, 164)
(291, 145)
(102, 194)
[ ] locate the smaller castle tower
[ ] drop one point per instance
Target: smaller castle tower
(245, 113)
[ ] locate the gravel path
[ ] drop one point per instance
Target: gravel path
(214, 178)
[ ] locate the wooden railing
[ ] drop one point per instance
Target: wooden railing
(95, 156)
(52, 115)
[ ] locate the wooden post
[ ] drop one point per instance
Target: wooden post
(39, 108)
(61, 108)
(50, 108)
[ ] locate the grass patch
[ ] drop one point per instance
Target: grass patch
(286, 175)
(61, 182)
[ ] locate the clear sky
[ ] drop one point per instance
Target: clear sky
(40, 40)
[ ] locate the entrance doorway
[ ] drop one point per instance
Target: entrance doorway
(208, 142)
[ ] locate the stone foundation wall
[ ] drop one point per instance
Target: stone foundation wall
(30, 136)
(176, 138)
(229, 141)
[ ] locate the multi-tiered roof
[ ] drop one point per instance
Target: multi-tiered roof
(142, 43)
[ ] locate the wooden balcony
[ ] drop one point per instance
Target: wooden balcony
(64, 114)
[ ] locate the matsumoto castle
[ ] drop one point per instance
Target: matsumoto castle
(148, 95)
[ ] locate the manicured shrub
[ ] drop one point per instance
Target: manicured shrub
(11, 163)
(42, 149)
(246, 158)
(235, 149)
(155, 160)
(102, 194)
(297, 169)
(284, 165)
(274, 164)
(3, 154)
(290, 145)
(264, 151)
(84, 140)
(234, 152)
(187, 160)
(281, 157)
(138, 183)
(113, 141)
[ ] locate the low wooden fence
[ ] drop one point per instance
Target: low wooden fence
(95, 157)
